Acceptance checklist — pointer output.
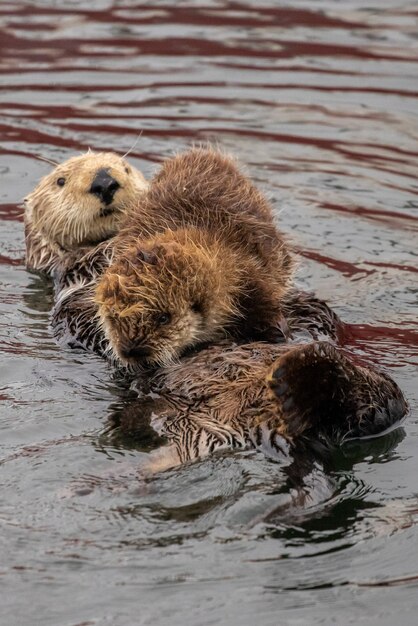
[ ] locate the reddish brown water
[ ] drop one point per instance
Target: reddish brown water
(319, 99)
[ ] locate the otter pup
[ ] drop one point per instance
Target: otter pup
(80, 203)
(202, 258)
(277, 398)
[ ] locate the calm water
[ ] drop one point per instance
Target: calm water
(319, 99)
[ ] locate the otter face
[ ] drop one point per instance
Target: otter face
(81, 202)
(151, 337)
(156, 303)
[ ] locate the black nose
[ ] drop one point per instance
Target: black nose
(136, 352)
(104, 186)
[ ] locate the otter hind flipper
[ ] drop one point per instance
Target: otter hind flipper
(322, 392)
(307, 314)
(383, 405)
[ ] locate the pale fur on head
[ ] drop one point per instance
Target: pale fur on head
(63, 218)
(168, 295)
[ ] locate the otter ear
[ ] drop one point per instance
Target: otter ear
(147, 257)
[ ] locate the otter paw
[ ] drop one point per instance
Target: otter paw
(312, 384)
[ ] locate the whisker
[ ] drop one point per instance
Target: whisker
(50, 161)
(133, 146)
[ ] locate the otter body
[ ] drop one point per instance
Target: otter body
(230, 395)
(278, 398)
(201, 259)
(79, 204)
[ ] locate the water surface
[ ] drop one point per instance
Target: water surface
(319, 100)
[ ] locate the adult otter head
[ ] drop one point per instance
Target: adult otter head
(167, 295)
(80, 203)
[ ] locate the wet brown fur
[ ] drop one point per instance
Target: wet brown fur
(268, 396)
(63, 220)
(203, 253)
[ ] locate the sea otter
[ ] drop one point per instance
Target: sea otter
(233, 395)
(201, 258)
(279, 398)
(80, 203)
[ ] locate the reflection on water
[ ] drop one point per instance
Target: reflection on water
(319, 100)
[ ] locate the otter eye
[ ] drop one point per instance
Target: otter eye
(162, 319)
(61, 182)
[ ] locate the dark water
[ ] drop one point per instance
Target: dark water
(319, 99)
